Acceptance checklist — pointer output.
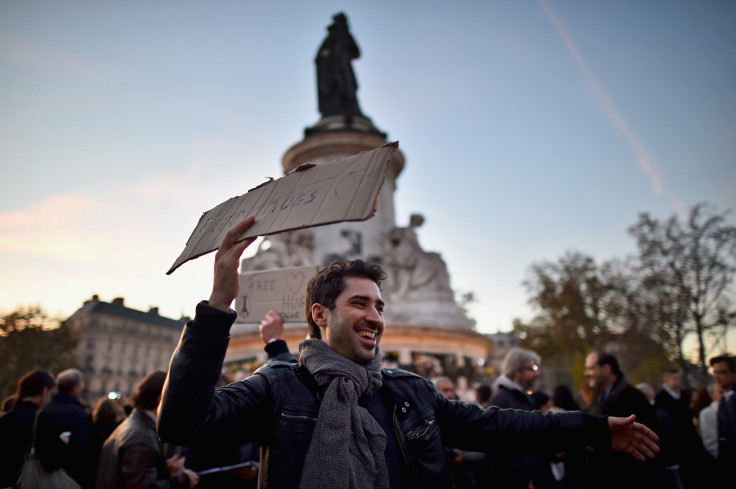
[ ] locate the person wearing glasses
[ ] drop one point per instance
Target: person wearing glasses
(512, 390)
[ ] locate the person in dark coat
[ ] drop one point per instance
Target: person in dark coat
(132, 457)
(688, 451)
(106, 416)
(62, 439)
(16, 426)
(724, 374)
(616, 397)
(520, 371)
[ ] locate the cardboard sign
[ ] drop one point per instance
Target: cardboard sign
(311, 195)
(282, 289)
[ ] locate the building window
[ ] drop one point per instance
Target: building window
(88, 365)
(122, 347)
(109, 344)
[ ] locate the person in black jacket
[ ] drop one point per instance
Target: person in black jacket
(688, 452)
(512, 391)
(724, 374)
(16, 426)
(520, 371)
(336, 419)
(63, 433)
(616, 397)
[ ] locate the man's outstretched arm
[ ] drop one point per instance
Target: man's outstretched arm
(633, 438)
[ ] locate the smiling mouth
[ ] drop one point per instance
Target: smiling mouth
(371, 335)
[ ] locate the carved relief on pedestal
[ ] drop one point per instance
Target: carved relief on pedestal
(283, 250)
(414, 274)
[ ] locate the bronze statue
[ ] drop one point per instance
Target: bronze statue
(336, 83)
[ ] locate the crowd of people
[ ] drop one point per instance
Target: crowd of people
(113, 444)
(696, 441)
(99, 450)
(331, 416)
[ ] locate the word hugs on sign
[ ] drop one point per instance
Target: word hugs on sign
(310, 195)
(282, 290)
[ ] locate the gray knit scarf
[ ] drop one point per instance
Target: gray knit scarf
(348, 444)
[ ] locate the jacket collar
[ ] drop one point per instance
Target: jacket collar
(505, 381)
(145, 417)
(65, 398)
(615, 392)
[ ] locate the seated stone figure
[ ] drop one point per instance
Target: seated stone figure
(412, 271)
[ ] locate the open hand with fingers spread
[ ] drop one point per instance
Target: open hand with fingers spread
(633, 438)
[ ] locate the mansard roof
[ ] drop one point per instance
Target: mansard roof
(117, 308)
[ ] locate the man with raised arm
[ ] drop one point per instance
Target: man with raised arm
(336, 419)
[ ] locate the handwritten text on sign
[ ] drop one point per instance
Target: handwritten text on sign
(281, 289)
(343, 190)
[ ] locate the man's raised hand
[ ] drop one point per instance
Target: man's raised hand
(272, 326)
(227, 260)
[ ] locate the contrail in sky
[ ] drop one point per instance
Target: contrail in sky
(644, 157)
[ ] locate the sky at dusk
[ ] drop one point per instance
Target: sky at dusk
(529, 129)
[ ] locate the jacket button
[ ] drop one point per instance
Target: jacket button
(403, 410)
(406, 404)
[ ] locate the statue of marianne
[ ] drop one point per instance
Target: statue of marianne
(336, 83)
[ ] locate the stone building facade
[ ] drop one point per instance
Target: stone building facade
(118, 346)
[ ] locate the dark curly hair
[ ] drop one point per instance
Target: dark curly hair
(329, 283)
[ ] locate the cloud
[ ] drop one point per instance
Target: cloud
(54, 228)
(55, 211)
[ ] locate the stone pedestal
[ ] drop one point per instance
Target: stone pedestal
(349, 240)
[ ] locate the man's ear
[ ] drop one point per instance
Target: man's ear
(319, 315)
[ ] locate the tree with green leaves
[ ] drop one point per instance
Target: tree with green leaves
(687, 269)
(30, 339)
(583, 305)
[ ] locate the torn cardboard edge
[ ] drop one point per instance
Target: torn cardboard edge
(343, 190)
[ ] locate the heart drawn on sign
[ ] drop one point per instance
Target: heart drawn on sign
(295, 282)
